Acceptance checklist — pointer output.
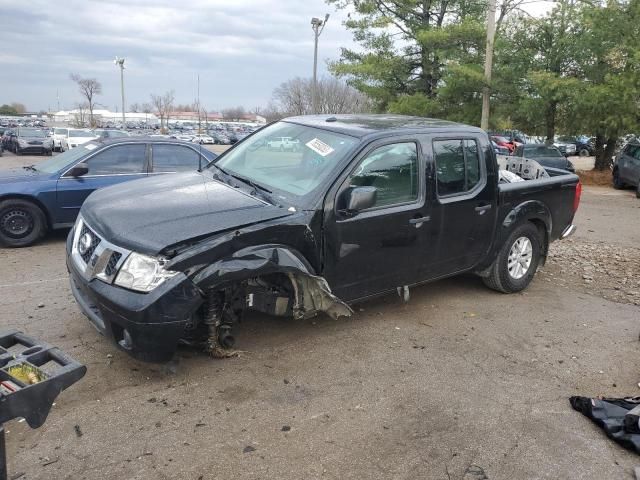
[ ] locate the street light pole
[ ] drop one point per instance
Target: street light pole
(120, 62)
(318, 26)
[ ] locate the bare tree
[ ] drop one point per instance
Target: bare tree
(294, 97)
(147, 108)
(89, 88)
(80, 118)
(163, 105)
(233, 114)
(134, 107)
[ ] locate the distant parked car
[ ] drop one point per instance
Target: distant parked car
(49, 195)
(31, 140)
(76, 137)
(503, 142)
(566, 148)
(108, 133)
(584, 147)
(499, 150)
(626, 167)
(545, 155)
(60, 139)
(203, 139)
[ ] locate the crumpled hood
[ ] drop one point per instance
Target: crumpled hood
(151, 214)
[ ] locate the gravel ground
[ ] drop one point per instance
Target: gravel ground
(460, 383)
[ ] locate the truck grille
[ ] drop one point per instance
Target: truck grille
(87, 243)
(94, 256)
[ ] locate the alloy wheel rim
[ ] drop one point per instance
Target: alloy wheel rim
(520, 257)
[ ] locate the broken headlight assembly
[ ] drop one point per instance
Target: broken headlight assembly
(142, 273)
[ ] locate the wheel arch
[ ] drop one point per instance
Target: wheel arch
(35, 201)
(533, 211)
(312, 292)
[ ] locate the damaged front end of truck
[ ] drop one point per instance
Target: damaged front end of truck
(273, 279)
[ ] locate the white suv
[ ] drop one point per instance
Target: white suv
(284, 143)
(60, 139)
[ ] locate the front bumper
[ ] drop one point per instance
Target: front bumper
(570, 230)
(34, 149)
(147, 326)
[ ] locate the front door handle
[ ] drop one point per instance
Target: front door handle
(419, 221)
(481, 209)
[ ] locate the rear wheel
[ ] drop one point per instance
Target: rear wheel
(21, 223)
(617, 183)
(583, 152)
(517, 262)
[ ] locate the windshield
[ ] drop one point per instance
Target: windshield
(288, 157)
(542, 151)
(32, 132)
(80, 133)
(60, 131)
(65, 159)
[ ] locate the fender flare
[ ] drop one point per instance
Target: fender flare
(531, 210)
(312, 292)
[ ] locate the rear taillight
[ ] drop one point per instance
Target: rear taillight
(576, 198)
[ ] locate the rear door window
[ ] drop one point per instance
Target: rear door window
(175, 158)
(457, 165)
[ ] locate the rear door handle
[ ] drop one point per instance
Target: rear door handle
(483, 208)
(418, 221)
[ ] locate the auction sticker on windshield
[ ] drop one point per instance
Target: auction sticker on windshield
(319, 147)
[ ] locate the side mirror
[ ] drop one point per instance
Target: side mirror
(79, 170)
(359, 198)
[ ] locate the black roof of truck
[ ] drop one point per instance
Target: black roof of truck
(378, 125)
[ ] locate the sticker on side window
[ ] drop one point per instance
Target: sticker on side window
(91, 146)
(319, 147)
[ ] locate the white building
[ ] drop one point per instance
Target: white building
(100, 115)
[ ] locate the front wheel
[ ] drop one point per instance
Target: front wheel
(517, 262)
(584, 152)
(21, 223)
(617, 183)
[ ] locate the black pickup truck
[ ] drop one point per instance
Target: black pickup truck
(366, 205)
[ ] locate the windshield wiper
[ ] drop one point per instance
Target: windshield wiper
(30, 167)
(265, 191)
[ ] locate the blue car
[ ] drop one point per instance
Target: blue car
(49, 195)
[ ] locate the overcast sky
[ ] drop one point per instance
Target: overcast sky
(242, 49)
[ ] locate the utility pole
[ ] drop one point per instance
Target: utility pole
(198, 106)
(58, 98)
(318, 26)
(120, 62)
(488, 64)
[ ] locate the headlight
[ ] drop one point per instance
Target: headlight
(21, 142)
(142, 273)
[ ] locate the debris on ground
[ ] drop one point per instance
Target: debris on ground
(76, 429)
(597, 268)
(618, 417)
(248, 449)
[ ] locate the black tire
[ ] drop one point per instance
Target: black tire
(22, 223)
(617, 183)
(584, 152)
(499, 277)
(638, 190)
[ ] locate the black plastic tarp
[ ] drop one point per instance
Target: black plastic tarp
(609, 414)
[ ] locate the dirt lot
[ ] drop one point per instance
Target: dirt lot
(460, 383)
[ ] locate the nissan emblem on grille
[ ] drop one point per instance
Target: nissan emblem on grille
(84, 243)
